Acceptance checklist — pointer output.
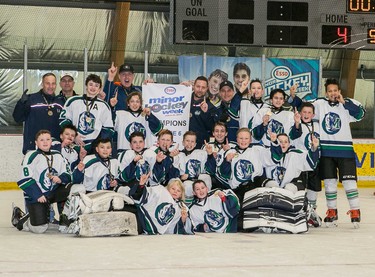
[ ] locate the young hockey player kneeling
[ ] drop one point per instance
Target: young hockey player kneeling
(214, 211)
(45, 173)
(161, 210)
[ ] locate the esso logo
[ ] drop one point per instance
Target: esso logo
(170, 90)
(281, 72)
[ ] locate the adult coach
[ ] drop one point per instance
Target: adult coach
(40, 110)
(116, 93)
(67, 86)
(202, 111)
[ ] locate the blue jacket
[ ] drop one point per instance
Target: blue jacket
(200, 122)
(38, 113)
(110, 89)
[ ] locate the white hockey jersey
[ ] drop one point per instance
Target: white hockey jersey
(335, 134)
(246, 164)
(291, 165)
(36, 170)
(127, 122)
(218, 215)
(192, 164)
(129, 170)
(280, 122)
(307, 129)
(161, 213)
(89, 123)
(248, 110)
(97, 174)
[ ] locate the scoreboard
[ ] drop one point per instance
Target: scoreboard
(293, 23)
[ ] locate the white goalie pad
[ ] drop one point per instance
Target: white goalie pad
(107, 224)
(275, 220)
(102, 200)
(275, 198)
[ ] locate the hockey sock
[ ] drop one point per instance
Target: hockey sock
(311, 197)
(351, 191)
(330, 186)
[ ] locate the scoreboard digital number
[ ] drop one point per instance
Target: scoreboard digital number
(275, 23)
(360, 6)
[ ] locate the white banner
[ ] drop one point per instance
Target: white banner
(171, 105)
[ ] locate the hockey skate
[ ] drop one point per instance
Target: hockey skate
(17, 214)
(331, 218)
(64, 223)
(355, 216)
(313, 219)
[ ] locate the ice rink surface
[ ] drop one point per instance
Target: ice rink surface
(341, 251)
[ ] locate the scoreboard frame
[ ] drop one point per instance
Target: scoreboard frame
(322, 24)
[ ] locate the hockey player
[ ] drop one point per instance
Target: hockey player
(251, 104)
(214, 211)
(337, 158)
(192, 164)
(91, 116)
(98, 171)
(166, 166)
(242, 168)
(44, 175)
(275, 119)
(337, 162)
(216, 148)
(72, 152)
(304, 128)
(136, 161)
(136, 119)
(161, 210)
(292, 162)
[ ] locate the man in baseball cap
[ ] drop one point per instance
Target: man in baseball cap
(126, 68)
(229, 109)
(67, 85)
(117, 92)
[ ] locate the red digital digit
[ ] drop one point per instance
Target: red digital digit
(342, 32)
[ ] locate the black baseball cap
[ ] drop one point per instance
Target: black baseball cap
(126, 68)
(226, 83)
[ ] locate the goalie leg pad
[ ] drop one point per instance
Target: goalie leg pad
(275, 219)
(107, 224)
(276, 198)
(102, 201)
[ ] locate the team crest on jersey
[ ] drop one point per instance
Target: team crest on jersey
(331, 123)
(308, 141)
(278, 174)
(243, 170)
(275, 127)
(141, 168)
(134, 127)
(104, 183)
(45, 180)
(193, 168)
(219, 158)
(164, 213)
(214, 220)
(86, 123)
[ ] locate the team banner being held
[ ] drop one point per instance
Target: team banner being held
(171, 105)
